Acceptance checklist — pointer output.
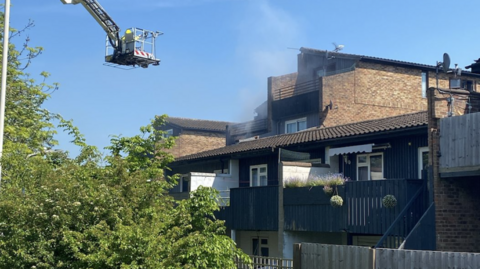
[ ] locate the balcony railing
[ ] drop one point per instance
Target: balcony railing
(309, 209)
(297, 89)
(254, 209)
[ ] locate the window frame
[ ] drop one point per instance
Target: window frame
(367, 164)
(181, 184)
(296, 122)
(424, 84)
(167, 133)
(421, 150)
(259, 182)
(262, 244)
(463, 84)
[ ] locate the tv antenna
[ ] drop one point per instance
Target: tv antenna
(337, 47)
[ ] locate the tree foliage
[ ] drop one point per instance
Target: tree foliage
(95, 211)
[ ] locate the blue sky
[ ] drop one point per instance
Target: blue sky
(217, 54)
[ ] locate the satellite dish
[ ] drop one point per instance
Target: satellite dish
(337, 47)
(446, 62)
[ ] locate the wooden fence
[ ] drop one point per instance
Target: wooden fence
(307, 255)
(459, 144)
(266, 263)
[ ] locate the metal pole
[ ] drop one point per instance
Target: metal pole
(6, 31)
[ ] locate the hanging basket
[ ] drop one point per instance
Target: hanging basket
(336, 201)
(328, 190)
(389, 201)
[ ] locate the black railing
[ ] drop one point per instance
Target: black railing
(405, 222)
(297, 89)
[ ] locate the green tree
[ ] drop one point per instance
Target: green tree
(95, 211)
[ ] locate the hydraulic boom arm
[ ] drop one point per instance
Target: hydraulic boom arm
(135, 48)
(102, 17)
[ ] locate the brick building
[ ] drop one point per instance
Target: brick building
(194, 135)
(333, 88)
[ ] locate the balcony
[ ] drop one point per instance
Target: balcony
(309, 209)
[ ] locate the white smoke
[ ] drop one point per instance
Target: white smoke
(264, 35)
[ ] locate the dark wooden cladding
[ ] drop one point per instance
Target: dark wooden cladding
(422, 237)
(313, 120)
(225, 214)
(400, 160)
(298, 105)
(309, 209)
(366, 213)
(270, 160)
(254, 209)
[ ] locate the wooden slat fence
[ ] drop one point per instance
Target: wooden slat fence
(254, 209)
(459, 141)
(366, 213)
(308, 255)
(405, 222)
(266, 263)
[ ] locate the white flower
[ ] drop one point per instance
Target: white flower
(77, 204)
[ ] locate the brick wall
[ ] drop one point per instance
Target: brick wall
(371, 91)
(190, 142)
(457, 202)
(457, 206)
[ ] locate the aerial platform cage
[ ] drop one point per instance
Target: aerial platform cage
(137, 48)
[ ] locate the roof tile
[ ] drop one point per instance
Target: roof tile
(317, 134)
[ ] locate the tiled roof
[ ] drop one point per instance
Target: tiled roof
(194, 124)
(318, 134)
(364, 57)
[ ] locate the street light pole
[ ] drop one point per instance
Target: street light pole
(6, 31)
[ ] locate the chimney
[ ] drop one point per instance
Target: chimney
(475, 67)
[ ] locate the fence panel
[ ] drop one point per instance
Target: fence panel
(309, 255)
(406, 259)
(332, 257)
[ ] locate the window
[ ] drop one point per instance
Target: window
(456, 83)
(422, 160)
(183, 182)
(370, 166)
(293, 126)
(260, 247)
(424, 84)
(167, 133)
(258, 175)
